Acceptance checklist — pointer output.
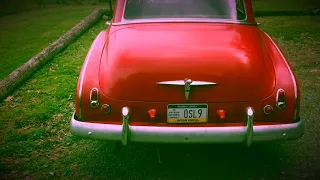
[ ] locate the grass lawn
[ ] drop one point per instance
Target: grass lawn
(283, 5)
(25, 34)
(35, 138)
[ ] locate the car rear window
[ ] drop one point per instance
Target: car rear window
(216, 9)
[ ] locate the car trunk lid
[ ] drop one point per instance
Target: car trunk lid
(229, 56)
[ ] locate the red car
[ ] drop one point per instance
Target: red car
(186, 71)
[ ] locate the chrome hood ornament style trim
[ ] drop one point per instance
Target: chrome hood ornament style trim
(187, 83)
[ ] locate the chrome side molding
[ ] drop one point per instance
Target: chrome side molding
(249, 135)
(125, 124)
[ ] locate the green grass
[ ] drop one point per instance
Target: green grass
(284, 5)
(35, 138)
(34, 124)
(25, 34)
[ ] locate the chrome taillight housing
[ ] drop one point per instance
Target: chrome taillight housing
(281, 99)
(94, 98)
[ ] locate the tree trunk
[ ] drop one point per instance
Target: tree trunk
(11, 82)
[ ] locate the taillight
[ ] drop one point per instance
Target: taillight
(152, 113)
(281, 99)
(221, 114)
(94, 98)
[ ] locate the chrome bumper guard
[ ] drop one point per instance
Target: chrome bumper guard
(155, 134)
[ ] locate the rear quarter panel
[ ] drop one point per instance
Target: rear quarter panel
(88, 77)
(285, 79)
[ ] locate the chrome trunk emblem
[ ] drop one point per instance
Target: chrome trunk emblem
(187, 83)
(187, 88)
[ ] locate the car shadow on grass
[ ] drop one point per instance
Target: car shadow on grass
(140, 161)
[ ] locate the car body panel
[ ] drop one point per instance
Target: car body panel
(230, 55)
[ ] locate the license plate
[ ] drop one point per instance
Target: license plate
(187, 113)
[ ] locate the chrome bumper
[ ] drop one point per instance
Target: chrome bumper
(153, 134)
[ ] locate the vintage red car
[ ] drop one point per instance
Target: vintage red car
(186, 71)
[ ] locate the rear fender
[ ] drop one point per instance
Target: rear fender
(285, 79)
(89, 76)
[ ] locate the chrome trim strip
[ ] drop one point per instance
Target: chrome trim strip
(83, 72)
(187, 83)
(156, 134)
(202, 83)
(249, 135)
(109, 23)
(291, 73)
(181, 20)
(177, 82)
(182, 83)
